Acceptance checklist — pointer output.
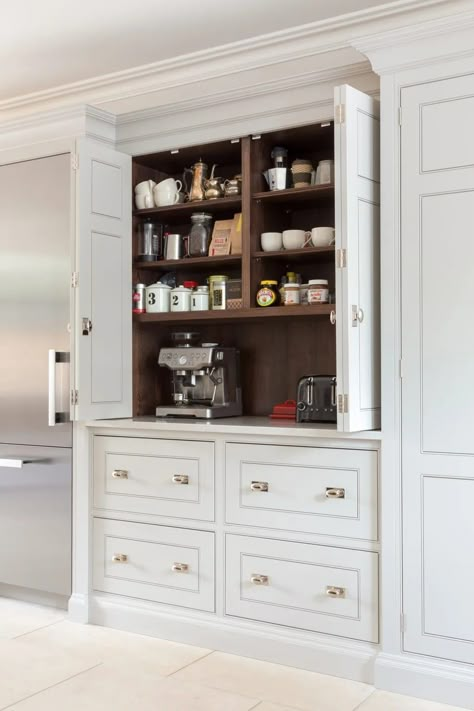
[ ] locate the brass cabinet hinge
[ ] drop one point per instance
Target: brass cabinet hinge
(340, 113)
(343, 404)
(74, 397)
(341, 258)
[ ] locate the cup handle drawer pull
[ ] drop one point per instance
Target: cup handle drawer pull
(259, 486)
(333, 591)
(180, 479)
(180, 567)
(120, 474)
(335, 493)
(119, 558)
(257, 579)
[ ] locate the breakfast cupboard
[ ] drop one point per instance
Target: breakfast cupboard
(278, 346)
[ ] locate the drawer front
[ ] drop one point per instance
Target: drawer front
(302, 489)
(158, 563)
(154, 476)
(317, 588)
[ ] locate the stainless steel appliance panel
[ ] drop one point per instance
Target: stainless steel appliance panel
(35, 274)
(35, 518)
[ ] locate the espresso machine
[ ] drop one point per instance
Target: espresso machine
(205, 379)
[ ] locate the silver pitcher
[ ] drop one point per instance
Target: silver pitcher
(174, 246)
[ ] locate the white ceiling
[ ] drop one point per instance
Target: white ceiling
(46, 43)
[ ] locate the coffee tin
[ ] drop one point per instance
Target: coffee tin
(138, 299)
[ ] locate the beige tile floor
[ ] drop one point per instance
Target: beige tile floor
(49, 664)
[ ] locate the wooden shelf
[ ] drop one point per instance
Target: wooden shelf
(296, 255)
(185, 209)
(294, 196)
(272, 312)
(191, 263)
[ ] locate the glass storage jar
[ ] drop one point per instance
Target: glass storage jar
(200, 234)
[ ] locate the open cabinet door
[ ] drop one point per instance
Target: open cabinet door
(357, 168)
(103, 314)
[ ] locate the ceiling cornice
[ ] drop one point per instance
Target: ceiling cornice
(429, 42)
(255, 53)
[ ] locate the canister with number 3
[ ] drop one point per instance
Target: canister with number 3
(158, 298)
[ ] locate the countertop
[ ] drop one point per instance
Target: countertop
(236, 426)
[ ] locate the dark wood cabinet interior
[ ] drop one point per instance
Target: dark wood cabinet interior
(280, 344)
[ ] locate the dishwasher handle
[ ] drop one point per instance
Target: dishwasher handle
(55, 418)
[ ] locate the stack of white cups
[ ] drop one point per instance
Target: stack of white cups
(144, 195)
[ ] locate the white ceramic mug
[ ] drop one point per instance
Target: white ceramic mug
(144, 200)
(157, 298)
(323, 236)
(146, 186)
(271, 241)
(164, 198)
(167, 192)
(295, 239)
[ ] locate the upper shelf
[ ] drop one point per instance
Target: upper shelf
(185, 209)
(297, 255)
(294, 196)
(194, 263)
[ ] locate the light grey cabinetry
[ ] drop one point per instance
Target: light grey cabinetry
(437, 216)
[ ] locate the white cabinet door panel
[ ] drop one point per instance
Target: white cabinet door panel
(103, 362)
(438, 368)
(357, 141)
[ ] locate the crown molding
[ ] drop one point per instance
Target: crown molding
(236, 58)
(58, 124)
(264, 88)
(412, 46)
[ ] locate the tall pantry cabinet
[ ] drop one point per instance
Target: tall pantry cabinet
(437, 300)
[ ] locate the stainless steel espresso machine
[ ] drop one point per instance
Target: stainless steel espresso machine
(205, 378)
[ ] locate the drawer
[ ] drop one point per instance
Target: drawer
(154, 476)
(158, 563)
(302, 489)
(317, 588)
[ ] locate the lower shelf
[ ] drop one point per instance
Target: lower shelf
(238, 315)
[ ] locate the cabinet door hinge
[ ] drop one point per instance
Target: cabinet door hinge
(340, 113)
(74, 161)
(343, 404)
(74, 397)
(341, 258)
(399, 115)
(75, 280)
(403, 623)
(400, 368)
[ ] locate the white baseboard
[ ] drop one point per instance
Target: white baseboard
(436, 680)
(347, 659)
(78, 609)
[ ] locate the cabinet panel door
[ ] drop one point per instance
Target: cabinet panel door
(103, 365)
(438, 371)
(357, 141)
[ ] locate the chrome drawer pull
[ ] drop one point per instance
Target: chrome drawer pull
(259, 579)
(259, 486)
(180, 567)
(119, 558)
(180, 479)
(333, 591)
(120, 474)
(333, 493)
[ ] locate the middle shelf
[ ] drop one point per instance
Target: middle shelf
(237, 314)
